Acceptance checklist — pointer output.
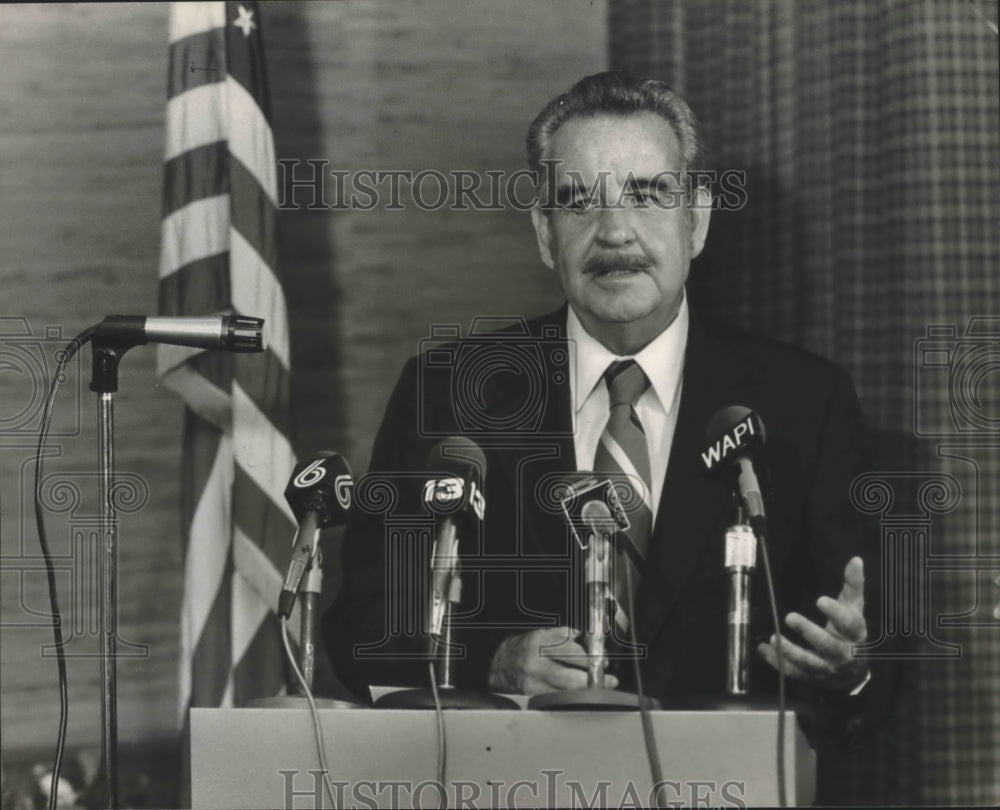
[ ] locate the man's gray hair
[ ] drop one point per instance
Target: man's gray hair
(617, 93)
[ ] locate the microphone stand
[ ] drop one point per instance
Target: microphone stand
(104, 382)
(450, 697)
(596, 696)
(310, 586)
(309, 590)
(454, 598)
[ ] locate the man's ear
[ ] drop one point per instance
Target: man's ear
(699, 213)
(543, 235)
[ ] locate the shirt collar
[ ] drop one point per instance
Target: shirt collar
(662, 359)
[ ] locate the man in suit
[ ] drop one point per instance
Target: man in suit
(618, 223)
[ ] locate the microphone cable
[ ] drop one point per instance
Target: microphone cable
(64, 357)
(758, 527)
(442, 739)
(648, 734)
(317, 728)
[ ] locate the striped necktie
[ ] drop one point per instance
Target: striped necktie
(622, 452)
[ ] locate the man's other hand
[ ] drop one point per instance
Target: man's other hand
(545, 660)
(830, 662)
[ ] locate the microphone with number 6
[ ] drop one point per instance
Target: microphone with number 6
(455, 495)
(319, 493)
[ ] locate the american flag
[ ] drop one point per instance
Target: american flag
(218, 254)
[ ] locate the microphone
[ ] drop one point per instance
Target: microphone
(601, 525)
(734, 435)
(455, 496)
(233, 333)
(580, 494)
(319, 493)
(741, 557)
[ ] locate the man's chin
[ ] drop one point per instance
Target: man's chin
(624, 309)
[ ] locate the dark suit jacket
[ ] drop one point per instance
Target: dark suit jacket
(509, 392)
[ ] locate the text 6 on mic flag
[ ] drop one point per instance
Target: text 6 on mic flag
(218, 255)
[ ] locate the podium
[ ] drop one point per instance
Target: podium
(266, 758)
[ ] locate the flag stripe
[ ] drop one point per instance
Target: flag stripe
(249, 610)
(209, 682)
(252, 212)
(256, 567)
(198, 288)
(266, 381)
(197, 117)
(196, 174)
(215, 367)
(197, 465)
(252, 144)
(264, 523)
(265, 645)
(194, 232)
(208, 473)
(201, 51)
(259, 293)
(269, 458)
(190, 19)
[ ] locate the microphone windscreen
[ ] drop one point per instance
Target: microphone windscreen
(455, 454)
(724, 421)
(322, 484)
(733, 432)
(595, 511)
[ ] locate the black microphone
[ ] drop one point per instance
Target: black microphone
(319, 493)
(455, 496)
(734, 435)
(233, 333)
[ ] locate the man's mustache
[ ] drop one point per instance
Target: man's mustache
(606, 264)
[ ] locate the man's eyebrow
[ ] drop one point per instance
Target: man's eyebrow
(668, 180)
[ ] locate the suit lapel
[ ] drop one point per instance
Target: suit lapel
(534, 455)
(694, 508)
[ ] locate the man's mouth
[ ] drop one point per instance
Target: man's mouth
(616, 266)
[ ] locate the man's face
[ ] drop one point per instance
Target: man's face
(621, 233)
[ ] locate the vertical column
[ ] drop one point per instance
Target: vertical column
(905, 542)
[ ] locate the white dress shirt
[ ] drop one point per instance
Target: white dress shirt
(663, 362)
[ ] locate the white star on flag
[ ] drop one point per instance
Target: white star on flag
(245, 21)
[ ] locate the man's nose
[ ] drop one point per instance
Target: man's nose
(615, 225)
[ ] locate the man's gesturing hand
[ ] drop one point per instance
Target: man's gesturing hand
(546, 660)
(830, 662)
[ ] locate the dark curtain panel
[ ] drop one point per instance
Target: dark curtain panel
(868, 233)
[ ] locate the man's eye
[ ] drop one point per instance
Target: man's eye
(580, 204)
(643, 197)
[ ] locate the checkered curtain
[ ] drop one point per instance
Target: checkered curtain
(868, 134)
